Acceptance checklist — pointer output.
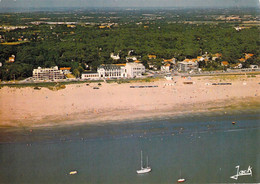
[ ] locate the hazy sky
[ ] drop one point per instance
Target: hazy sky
(127, 3)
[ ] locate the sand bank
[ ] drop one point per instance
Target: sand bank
(79, 103)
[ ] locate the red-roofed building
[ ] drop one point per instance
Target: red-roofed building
(65, 70)
(173, 60)
(216, 56)
(188, 65)
(152, 56)
(165, 68)
(248, 55)
(11, 59)
(242, 59)
(224, 63)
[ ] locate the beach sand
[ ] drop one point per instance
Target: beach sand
(79, 103)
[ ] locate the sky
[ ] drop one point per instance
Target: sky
(127, 3)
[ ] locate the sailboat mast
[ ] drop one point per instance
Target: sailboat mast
(141, 159)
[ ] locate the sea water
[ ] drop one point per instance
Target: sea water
(202, 148)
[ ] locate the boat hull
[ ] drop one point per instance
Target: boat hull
(144, 170)
(181, 180)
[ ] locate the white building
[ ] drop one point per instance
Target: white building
(111, 71)
(90, 76)
(134, 69)
(254, 66)
(134, 58)
(188, 65)
(66, 70)
(116, 71)
(165, 68)
(47, 73)
(115, 57)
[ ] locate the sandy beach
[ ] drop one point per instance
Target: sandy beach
(79, 103)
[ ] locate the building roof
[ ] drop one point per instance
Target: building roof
(167, 60)
(218, 55)
(225, 63)
(122, 64)
(137, 61)
(109, 66)
(134, 64)
(248, 55)
(11, 59)
(65, 68)
(152, 56)
(242, 59)
(187, 60)
(190, 60)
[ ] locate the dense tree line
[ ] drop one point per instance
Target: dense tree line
(86, 47)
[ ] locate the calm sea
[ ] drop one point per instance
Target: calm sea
(202, 148)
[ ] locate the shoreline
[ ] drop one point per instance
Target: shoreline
(82, 131)
(80, 104)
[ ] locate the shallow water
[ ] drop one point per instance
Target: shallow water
(202, 148)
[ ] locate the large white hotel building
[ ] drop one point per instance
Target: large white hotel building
(116, 71)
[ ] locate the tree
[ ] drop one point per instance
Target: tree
(76, 73)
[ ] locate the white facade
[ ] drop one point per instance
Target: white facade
(90, 76)
(115, 57)
(134, 58)
(134, 69)
(47, 73)
(66, 72)
(165, 68)
(111, 71)
(254, 66)
(128, 70)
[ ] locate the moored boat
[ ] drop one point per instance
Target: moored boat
(181, 180)
(73, 172)
(146, 169)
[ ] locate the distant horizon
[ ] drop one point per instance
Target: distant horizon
(123, 4)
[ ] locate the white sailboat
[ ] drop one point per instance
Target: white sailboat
(146, 169)
(181, 180)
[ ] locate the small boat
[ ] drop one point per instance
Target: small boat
(146, 169)
(233, 122)
(181, 180)
(73, 172)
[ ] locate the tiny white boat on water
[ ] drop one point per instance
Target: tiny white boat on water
(73, 172)
(146, 169)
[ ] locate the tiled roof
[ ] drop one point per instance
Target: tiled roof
(65, 68)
